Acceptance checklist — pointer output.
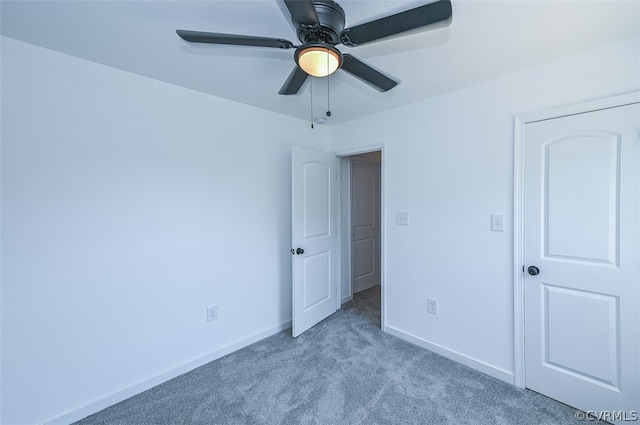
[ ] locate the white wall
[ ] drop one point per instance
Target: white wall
(129, 206)
(449, 163)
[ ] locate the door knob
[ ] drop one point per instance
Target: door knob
(533, 270)
(299, 251)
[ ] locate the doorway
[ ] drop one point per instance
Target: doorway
(361, 247)
(322, 254)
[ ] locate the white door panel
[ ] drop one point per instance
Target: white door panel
(581, 221)
(581, 173)
(314, 237)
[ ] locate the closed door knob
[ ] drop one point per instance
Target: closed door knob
(533, 270)
(299, 251)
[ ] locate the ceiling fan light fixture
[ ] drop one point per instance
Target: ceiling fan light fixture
(318, 60)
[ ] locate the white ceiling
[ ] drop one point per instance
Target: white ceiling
(485, 40)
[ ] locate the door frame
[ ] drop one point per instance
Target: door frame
(344, 232)
(518, 207)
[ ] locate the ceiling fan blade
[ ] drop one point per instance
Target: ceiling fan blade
(395, 24)
(366, 73)
(302, 11)
(233, 39)
(294, 82)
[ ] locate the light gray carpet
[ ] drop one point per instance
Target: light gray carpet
(343, 371)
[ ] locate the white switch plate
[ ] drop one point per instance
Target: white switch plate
(402, 218)
(432, 306)
(497, 222)
(212, 313)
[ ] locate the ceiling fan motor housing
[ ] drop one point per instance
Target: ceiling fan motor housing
(332, 20)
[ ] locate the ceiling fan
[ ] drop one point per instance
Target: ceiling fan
(320, 26)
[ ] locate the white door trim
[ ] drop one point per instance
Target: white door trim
(344, 235)
(357, 151)
(518, 211)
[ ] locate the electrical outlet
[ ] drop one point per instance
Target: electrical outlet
(497, 222)
(402, 218)
(212, 313)
(432, 306)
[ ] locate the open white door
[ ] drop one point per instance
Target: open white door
(314, 199)
(582, 244)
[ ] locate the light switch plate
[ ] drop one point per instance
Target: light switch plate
(497, 222)
(212, 313)
(402, 218)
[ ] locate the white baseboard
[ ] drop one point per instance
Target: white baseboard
(346, 299)
(124, 393)
(478, 365)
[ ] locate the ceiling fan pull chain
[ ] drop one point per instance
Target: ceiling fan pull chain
(311, 90)
(328, 79)
(328, 100)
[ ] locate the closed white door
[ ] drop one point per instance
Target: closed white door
(314, 237)
(582, 257)
(365, 225)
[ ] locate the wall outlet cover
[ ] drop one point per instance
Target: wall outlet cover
(402, 218)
